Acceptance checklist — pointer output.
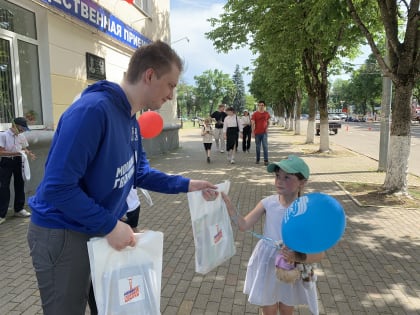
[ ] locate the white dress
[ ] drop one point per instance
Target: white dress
(261, 283)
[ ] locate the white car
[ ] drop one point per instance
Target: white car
(333, 117)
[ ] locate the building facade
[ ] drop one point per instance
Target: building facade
(50, 50)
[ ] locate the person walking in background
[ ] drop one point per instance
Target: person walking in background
(13, 148)
(262, 285)
(232, 127)
(219, 117)
(246, 132)
(259, 122)
(96, 158)
(207, 134)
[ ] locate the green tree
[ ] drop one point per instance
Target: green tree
(239, 97)
(185, 99)
(400, 20)
(212, 87)
(311, 33)
(362, 90)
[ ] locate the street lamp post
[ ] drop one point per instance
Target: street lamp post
(178, 40)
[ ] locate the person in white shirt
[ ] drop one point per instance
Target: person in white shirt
(232, 127)
(247, 131)
(13, 145)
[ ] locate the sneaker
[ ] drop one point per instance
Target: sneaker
(208, 159)
(22, 214)
(265, 163)
(222, 151)
(232, 161)
(2, 220)
(257, 162)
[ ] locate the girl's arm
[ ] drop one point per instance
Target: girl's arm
(247, 222)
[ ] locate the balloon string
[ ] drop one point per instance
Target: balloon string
(272, 242)
(275, 244)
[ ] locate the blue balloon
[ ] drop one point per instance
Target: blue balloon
(313, 223)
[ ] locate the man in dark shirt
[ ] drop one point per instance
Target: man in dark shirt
(219, 116)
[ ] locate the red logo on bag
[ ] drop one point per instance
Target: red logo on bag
(218, 235)
(132, 292)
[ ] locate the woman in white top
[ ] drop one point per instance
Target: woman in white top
(232, 126)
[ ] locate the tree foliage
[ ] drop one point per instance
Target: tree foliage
(213, 87)
(294, 39)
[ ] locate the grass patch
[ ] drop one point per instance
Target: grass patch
(368, 194)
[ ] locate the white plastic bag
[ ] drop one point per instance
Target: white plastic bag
(213, 236)
(127, 282)
(26, 170)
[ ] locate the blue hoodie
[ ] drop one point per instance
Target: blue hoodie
(96, 156)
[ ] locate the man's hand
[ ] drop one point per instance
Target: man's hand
(121, 236)
(31, 155)
(208, 189)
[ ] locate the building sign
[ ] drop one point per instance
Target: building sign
(95, 67)
(96, 16)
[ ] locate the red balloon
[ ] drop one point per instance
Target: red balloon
(151, 124)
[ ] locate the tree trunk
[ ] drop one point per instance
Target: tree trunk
(324, 143)
(400, 140)
(310, 133)
(298, 111)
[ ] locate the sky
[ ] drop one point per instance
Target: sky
(188, 19)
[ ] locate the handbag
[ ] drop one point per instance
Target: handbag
(212, 230)
(127, 281)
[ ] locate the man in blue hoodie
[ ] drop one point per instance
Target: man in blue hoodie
(96, 156)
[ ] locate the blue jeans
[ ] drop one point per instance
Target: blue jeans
(261, 138)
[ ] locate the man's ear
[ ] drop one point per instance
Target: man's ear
(148, 74)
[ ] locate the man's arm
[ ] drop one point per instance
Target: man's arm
(5, 153)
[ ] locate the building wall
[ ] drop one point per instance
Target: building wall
(64, 42)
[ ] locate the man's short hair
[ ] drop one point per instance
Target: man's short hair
(261, 102)
(157, 55)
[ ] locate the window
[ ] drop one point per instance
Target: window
(17, 19)
(30, 86)
(20, 84)
(143, 5)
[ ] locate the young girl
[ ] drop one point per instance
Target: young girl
(207, 134)
(261, 284)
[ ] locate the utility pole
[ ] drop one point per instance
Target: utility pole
(385, 113)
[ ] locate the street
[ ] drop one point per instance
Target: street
(364, 138)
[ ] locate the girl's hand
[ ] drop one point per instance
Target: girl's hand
(229, 206)
(291, 256)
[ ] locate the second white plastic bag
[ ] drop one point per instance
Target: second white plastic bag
(127, 282)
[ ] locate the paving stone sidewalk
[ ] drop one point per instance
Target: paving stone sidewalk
(375, 269)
